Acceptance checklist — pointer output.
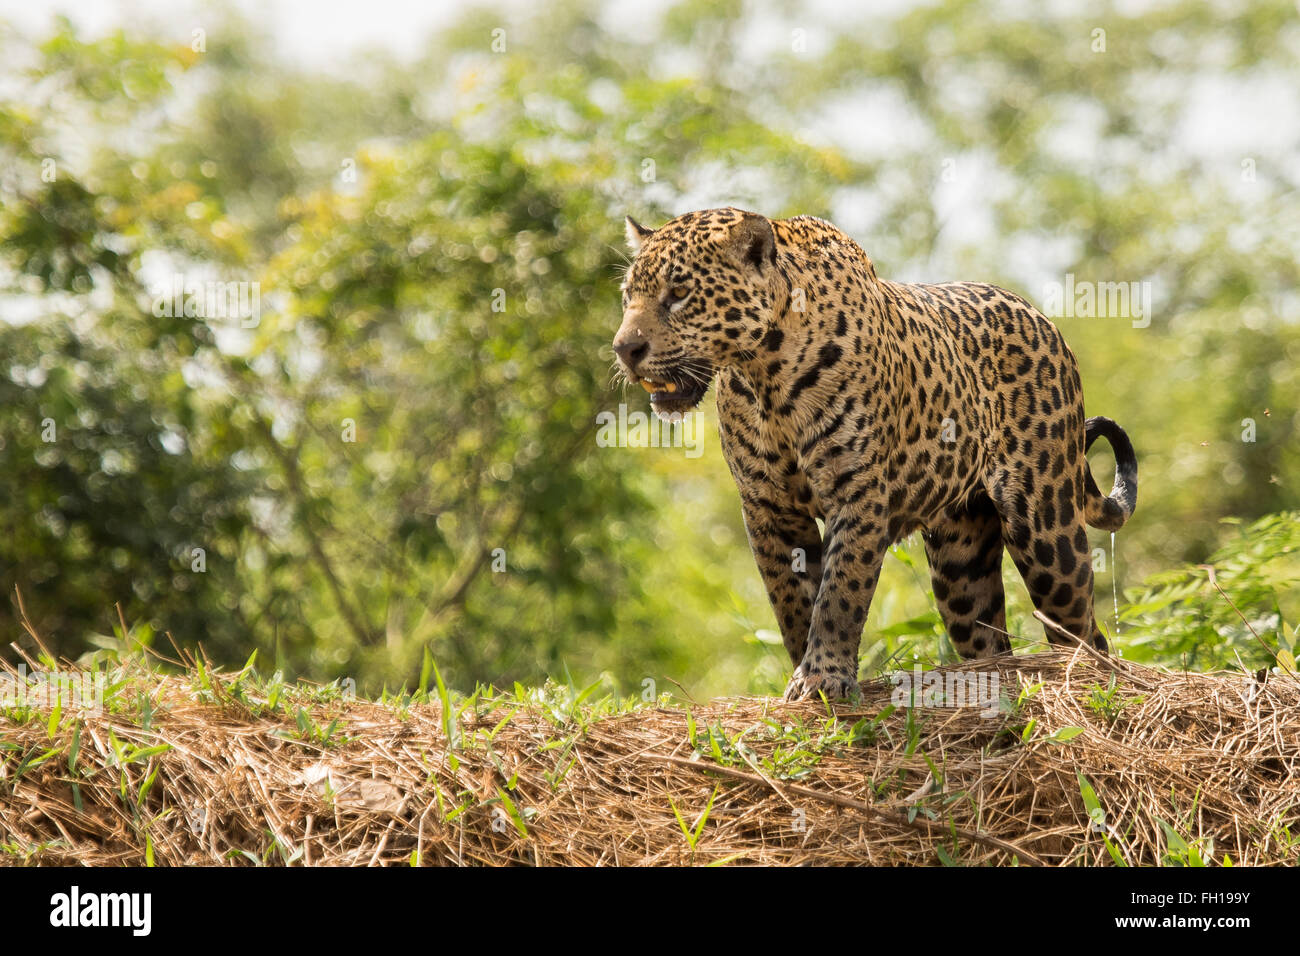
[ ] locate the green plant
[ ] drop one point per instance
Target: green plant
(1107, 702)
(692, 834)
(1243, 603)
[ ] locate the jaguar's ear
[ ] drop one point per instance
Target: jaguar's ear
(753, 243)
(636, 233)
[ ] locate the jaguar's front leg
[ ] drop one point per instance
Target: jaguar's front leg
(788, 550)
(852, 552)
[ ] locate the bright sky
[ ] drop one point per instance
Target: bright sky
(321, 32)
(313, 31)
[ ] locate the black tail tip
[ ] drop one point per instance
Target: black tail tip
(1123, 497)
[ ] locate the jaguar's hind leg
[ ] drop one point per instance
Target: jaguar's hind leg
(965, 554)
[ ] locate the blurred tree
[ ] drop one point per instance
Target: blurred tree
(398, 451)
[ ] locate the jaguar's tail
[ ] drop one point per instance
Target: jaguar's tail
(1110, 513)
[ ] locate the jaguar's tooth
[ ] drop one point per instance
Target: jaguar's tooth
(671, 386)
(647, 385)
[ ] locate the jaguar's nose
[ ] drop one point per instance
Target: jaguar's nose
(631, 352)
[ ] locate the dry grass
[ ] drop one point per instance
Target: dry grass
(547, 780)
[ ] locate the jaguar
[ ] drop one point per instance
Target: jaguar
(878, 409)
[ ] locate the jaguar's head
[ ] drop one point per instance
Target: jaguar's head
(699, 295)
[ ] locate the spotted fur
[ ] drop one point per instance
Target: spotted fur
(880, 408)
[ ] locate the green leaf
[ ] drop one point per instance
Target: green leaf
(922, 624)
(1065, 734)
(515, 817)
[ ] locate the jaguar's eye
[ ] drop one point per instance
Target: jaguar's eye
(678, 292)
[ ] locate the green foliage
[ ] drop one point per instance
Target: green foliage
(692, 834)
(797, 746)
(1097, 816)
(1108, 702)
(1240, 606)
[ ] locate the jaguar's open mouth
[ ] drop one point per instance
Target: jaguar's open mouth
(670, 397)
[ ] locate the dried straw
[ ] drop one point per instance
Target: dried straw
(1214, 756)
